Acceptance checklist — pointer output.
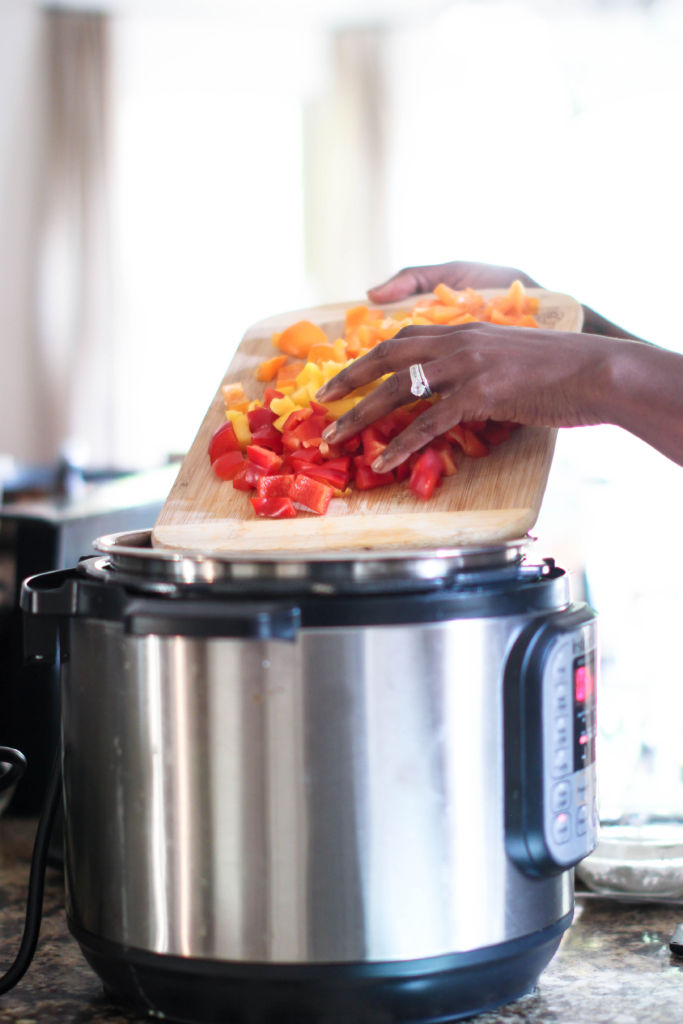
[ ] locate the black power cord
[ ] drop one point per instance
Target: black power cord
(36, 882)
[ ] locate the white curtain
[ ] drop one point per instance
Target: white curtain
(345, 145)
(73, 359)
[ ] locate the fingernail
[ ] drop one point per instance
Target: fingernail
(329, 432)
(378, 465)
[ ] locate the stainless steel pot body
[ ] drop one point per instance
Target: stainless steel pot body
(335, 797)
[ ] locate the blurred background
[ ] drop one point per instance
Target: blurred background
(173, 170)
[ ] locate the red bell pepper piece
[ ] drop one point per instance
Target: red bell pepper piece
(330, 451)
(268, 437)
(445, 450)
(299, 460)
(352, 444)
(426, 473)
(240, 481)
(269, 394)
(468, 441)
(227, 465)
(321, 410)
(309, 430)
(279, 485)
(402, 471)
(253, 473)
(295, 418)
(495, 433)
(264, 458)
(335, 472)
(260, 417)
(224, 439)
(365, 478)
(373, 443)
(273, 508)
(394, 422)
(290, 443)
(312, 494)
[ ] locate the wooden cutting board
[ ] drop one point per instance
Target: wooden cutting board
(490, 500)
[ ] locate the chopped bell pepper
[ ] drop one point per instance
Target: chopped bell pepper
(224, 439)
(426, 473)
(228, 464)
(312, 494)
(263, 458)
(273, 508)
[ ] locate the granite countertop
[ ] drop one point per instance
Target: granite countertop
(613, 967)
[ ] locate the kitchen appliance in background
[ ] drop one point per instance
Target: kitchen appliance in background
(350, 787)
(49, 518)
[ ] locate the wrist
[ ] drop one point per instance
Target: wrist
(643, 395)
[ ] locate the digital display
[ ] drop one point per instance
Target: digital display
(585, 725)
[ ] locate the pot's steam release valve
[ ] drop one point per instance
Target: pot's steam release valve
(551, 816)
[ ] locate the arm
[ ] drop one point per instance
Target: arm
(645, 396)
(531, 376)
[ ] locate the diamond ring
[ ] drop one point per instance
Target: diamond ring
(419, 385)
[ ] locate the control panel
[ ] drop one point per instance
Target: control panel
(551, 811)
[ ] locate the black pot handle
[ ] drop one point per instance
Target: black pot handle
(51, 598)
(17, 766)
(256, 620)
(45, 600)
(49, 593)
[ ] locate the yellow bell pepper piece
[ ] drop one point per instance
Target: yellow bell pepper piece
(241, 425)
(339, 347)
(311, 374)
(341, 406)
(302, 396)
(283, 406)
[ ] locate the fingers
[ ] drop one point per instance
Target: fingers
(387, 396)
(398, 287)
(410, 345)
(390, 395)
(409, 281)
(435, 421)
(456, 274)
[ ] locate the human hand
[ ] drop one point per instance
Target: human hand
(462, 274)
(416, 280)
(478, 371)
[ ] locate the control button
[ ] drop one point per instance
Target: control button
(561, 761)
(561, 698)
(560, 663)
(561, 730)
(562, 795)
(581, 788)
(581, 820)
(562, 828)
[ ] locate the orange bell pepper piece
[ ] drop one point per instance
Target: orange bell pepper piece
(447, 295)
(358, 315)
(234, 397)
(288, 373)
(269, 368)
(297, 339)
(321, 352)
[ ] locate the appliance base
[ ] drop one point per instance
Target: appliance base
(433, 990)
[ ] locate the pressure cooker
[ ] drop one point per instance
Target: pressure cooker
(348, 787)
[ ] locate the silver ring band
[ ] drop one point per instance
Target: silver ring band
(419, 385)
